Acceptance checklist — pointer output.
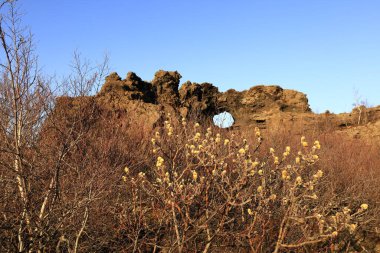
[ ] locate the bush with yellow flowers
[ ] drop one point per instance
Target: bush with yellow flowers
(207, 190)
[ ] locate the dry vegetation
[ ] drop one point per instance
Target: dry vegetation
(189, 189)
(210, 190)
(92, 182)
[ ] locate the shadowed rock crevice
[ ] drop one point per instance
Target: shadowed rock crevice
(198, 98)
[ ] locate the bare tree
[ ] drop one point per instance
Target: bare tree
(36, 142)
(24, 100)
(85, 78)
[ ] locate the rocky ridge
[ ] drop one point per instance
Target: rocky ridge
(262, 106)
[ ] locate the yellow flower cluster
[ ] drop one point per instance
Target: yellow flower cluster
(217, 139)
(160, 162)
(287, 152)
(285, 175)
(304, 142)
(317, 145)
(197, 136)
(364, 206)
(318, 175)
(126, 171)
(299, 180)
(257, 132)
(195, 175)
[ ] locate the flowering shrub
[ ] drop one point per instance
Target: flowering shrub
(205, 191)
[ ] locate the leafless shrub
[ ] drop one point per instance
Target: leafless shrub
(44, 198)
(85, 77)
(206, 191)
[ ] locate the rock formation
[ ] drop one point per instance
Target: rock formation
(262, 106)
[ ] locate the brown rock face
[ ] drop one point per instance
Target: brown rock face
(132, 88)
(256, 105)
(262, 106)
(165, 85)
(198, 98)
(247, 107)
(266, 98)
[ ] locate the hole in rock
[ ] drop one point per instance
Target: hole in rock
(223, 120)
(260, 121)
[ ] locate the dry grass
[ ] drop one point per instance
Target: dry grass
(245, 206)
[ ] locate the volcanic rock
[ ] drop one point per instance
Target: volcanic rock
(261, 106)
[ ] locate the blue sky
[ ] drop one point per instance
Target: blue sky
(328, 49)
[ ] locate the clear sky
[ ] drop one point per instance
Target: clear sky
(328, 49)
